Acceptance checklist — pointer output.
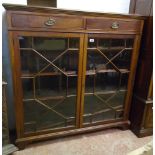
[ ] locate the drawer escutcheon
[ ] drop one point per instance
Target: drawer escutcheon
(50, 22)
(115, 25)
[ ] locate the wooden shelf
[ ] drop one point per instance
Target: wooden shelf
(72, 73)
(32, 75)
(110, 48)
(45, 50)
(90, 72)
(103, 111)
(113, 70)
(94, 72)
(73, 49)
(49, 98)
(105, 92)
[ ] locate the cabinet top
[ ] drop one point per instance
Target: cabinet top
(15, 7)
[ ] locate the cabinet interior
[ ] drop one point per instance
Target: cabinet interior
(49, 76)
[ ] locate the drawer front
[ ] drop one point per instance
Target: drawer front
(46, 21)
(113, 24)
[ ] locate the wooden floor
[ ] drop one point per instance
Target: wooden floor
(107, 142)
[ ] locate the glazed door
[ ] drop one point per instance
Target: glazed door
(50, 80)
(106, 72)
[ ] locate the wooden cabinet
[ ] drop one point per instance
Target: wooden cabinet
(73, 71)
(141, 115)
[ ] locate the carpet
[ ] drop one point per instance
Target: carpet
(107, 142)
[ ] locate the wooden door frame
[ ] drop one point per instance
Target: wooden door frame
(130, 84)
(14, 50)
(16, 71)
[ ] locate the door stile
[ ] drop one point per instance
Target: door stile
(83, 78)
(16, 72)
(80, 76)
(16, 64)
(131, 79)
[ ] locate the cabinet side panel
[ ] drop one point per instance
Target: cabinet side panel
(17, 87)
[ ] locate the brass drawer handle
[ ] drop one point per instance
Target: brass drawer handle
(115, 25)
(50, 22)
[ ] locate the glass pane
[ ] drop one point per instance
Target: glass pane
(92, 42)
(90, 82)
(124, 81)
(49, 79)
(49, 44)
(95, 59)
(72, 85)
(54, 86)
(123, 60)
(49, 114)
(28, 89)
(107, 71)
(96, 110)
(74, 43)
(104, 43)
(107, 81)
(104, 114)
(68, 62)
(31, 62)
(50, 48)
(129, 43)
(117, 42)
(116, 100)
(25, 42)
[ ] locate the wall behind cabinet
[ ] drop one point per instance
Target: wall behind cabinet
(120, 6)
